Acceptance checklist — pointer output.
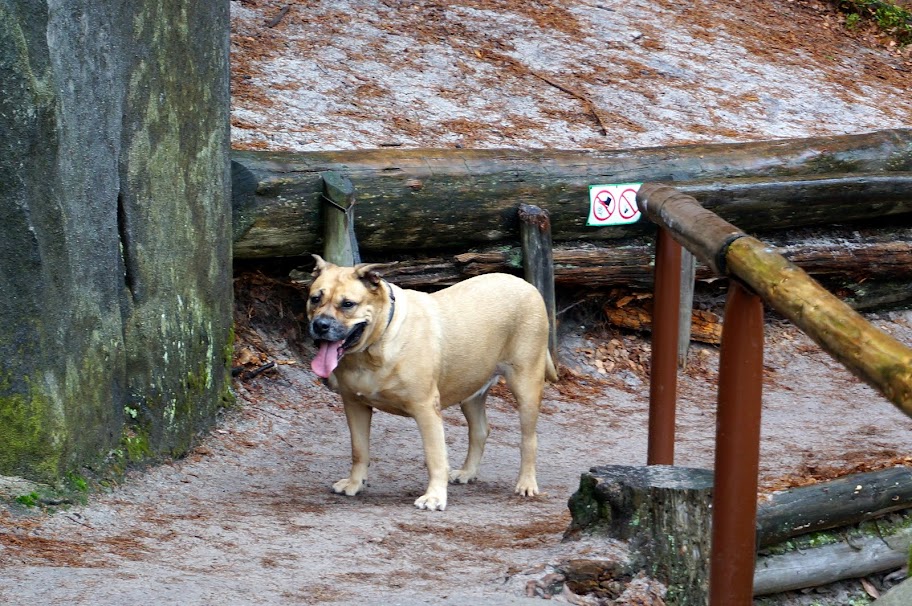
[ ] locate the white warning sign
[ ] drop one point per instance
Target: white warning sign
(613, 204)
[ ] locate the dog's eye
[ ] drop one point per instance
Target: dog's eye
(315, 299)
(346, 304)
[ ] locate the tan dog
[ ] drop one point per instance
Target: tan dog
(412, 353)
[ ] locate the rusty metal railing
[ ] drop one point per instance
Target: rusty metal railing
(758, 274)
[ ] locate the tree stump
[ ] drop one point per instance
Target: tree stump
(665, 514)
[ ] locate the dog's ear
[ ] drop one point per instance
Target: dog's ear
(320, 265)
(372, 273)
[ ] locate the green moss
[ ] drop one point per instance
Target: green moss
(77, 482)
(584, 506)
(27, 433)
(32, 499)
(135, 445)
(881, 527)
(828, 163)
(515, 258)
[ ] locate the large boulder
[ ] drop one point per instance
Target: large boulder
(115, 258)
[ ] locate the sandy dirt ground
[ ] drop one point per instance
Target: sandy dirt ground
(591, 74)
(248, 517)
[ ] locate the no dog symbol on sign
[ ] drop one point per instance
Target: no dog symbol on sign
(613, 204)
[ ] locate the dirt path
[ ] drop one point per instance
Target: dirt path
(248, 517)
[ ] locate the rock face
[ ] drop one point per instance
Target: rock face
(115, 258)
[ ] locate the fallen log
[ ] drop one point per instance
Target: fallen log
(439, 199)
(634, 312)
(848, 559)
(843, 258)
(826, 505)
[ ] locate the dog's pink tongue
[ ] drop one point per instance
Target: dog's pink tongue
(327, 358)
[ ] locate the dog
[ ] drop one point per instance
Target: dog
(413, 354)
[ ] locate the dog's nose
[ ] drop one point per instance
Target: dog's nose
(321, 325)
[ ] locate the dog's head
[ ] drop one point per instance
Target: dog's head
(347, 310)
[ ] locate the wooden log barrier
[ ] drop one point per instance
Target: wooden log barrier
(871, 354)
(843, 254)
(446, 199)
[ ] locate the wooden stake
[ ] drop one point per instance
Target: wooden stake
(688, 275)
(340, 246)
(538, 262)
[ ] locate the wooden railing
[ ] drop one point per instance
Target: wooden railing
(757, 274)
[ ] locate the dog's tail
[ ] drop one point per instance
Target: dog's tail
(550, 369)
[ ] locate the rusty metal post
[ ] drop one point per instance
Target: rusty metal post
(734, 524)
(663, 382)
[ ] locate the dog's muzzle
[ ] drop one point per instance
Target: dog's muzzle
(332, 340)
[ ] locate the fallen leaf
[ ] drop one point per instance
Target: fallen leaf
(870, 589)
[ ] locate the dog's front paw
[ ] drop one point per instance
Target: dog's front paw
(461, 476)
(432, 501)
(348, 487)
(527, 487)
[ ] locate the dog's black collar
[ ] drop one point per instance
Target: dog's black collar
(392, 304)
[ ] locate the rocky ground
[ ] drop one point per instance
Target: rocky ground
(248, 517)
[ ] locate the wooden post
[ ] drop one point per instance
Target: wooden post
(737, 450)
(663, 372)
(538, 262)
(688, 275)
(663, 511)
(339, 243)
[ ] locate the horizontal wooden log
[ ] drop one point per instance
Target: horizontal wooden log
(635, 313)
(444, 199)
(830, 563)
(845, 258)
(840, 502)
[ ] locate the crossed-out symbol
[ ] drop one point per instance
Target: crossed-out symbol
(627, 204)
(604, 205)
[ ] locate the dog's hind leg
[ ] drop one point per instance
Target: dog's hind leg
(527, 388)
(477, 418)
